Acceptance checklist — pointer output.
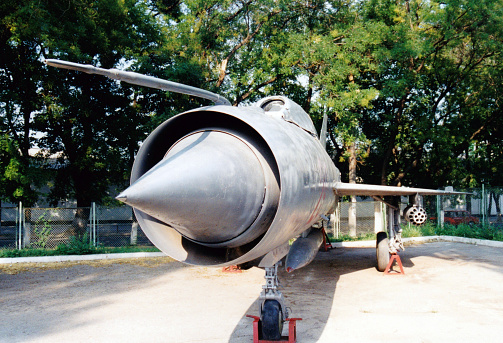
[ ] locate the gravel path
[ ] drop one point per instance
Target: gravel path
(451, 293)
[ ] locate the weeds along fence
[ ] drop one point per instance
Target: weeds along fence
(22, 227)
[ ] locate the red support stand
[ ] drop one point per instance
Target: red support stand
(326, 242)
(394, 257)
(292, 331)
(232, 269)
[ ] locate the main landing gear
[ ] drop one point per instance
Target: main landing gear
(386, 246)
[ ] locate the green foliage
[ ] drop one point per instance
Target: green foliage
(90, 123)
(471, 231)
(27, 252)
(348, 238)
(488, 232)
(14, 174)
(431, 106)
(76, 246)
(415, 86)
(427, 229)
(41, 235)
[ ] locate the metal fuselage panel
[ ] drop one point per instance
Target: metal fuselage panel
(303, 170)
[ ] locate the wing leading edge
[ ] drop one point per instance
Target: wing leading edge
(342, 188)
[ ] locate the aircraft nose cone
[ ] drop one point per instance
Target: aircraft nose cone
(209, 186)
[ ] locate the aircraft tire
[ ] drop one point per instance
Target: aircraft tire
(382, 251)
(272, 320)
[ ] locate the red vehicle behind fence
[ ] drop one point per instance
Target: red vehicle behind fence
(456, 217)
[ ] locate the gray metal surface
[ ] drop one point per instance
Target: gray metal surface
(140, 80)
(304, 250)
(342, 188)
(282, 107)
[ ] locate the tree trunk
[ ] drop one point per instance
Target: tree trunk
(80, 221)
(83, 183)
(489, 207)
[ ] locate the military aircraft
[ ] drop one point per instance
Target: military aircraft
(223, 185)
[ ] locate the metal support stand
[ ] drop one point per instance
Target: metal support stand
(232, 269)
(395, 230)
(326, 241)
(394, 257)
(292, 331)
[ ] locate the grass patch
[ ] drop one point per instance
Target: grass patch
(76, 246)
(427, 229)
(431, 229)
(346, 238)
(463, 230)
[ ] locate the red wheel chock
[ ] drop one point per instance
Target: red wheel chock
(292, 331)
(394, 257)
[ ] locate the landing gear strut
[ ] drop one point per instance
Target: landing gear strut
(385, 246)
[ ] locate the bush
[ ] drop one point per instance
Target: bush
(76, 246)
(427, 229)
(23, 252)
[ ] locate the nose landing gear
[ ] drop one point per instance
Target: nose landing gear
(273, 313)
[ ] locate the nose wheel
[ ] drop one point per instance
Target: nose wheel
(273, 314)
(271, 318)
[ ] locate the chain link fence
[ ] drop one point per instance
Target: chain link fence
(481, 207)
(365, 218)
(47, 228)
(116, 226)
(9, 227)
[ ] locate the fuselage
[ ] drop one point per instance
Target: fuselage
(225, 185)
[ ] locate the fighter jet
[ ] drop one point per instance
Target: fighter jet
(223, 185)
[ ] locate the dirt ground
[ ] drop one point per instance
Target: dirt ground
(451, 292)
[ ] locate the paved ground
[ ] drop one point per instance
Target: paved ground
(451, 293)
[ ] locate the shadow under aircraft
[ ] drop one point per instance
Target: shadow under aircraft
(314, 287)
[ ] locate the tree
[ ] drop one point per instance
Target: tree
(91, 121)
(19, 81)
(430, 57)
(14, 177)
